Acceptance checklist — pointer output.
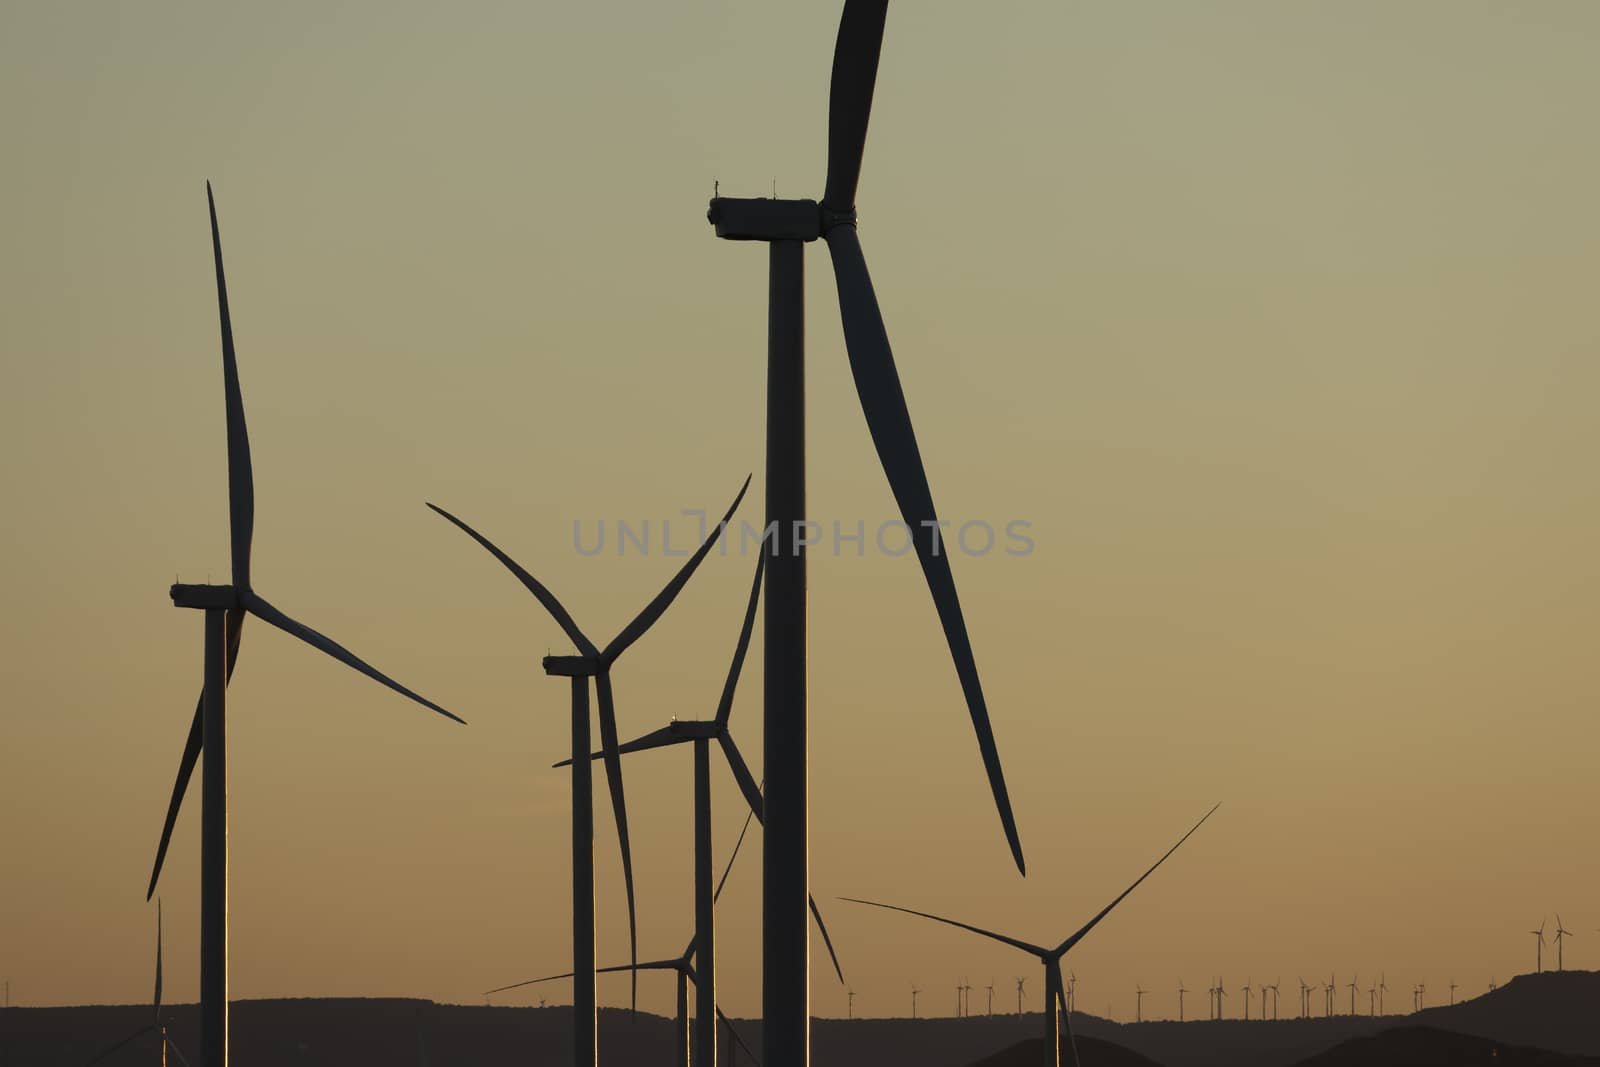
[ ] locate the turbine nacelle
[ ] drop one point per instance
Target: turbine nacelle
(572, 666)
(206, 597)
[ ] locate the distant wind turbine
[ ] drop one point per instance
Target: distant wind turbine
(1452, 992)
(1274, 988)
(225, 608)
(1382, 989)
(850, 1003)
(1055, 993)
(1181, 992)
(1305, 999)
(1561, 934)
(1221, 992)
(1138, 1003)
(991, 998)
(595, 662)
(1020, 983)
(156, 1025)
(700, 734)
(1247, 1000)
(682, 966)
(914, 992)
(1353, 987)
(1539, 948)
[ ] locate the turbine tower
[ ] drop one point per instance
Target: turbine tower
(225, 608)
(1561, 934)
(914, 992)
(1138, 1003)
(991, 998)
(595, 662)
(1247, 1000)
(1452, 992)
(1181, 992)
(1383, 988)
(1054, 986)
(850, 1003)
(1274, 988)
(1221, 991)
(1020, 983)
(1538, 966)
(786, 226)
(1353, 988)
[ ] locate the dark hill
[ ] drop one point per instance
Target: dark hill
(1092, 1052)
(1424, 1046)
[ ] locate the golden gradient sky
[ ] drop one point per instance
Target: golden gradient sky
(1277, 321)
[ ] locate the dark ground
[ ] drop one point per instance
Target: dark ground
(1559, 1012)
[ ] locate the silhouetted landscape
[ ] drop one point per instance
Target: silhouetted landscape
(1542, 1019)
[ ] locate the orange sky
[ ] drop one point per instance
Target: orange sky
(1276, 322)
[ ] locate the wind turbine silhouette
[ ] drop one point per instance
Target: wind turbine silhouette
(225, 608)
(1372, 1000)
(1020, 983)
(1274, 988)
(1072, 992)
(683, 966)
(914, 992)
(991, 998)
(595, 662)
(1181, 992)
(1352, 994)
(786, 225)
(1247, 1000)
(1050, 957)
(1328, 989)
(1561, 934)
(1452, 992)
(700, 734)
(1383, 988)
(156, 1025)
(850, 1003)
(1221, 992)
(1539, 948)
(1138, 1003)
(1305, 999)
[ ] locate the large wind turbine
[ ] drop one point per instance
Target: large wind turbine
(1054, 994)
(156, 1025)
(595, 662)
(1538, 966)
(700, 734)
(786, 225)
(225, 608)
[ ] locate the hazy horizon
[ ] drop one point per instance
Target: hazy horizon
(1276, 323)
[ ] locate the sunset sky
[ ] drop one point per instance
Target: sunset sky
(1277, 323)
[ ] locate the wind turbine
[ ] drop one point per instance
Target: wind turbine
(1539, 948)
(1274, 988)
(1422, 990)
(1050, 957)
(1072, 992)
(1221, 992)
(682, 965)
(225, 608)
(1372, 1000)
(1452, 992)
(1383, 988)
(156, 1025)
(1020, 983)
(1561, 934)
(991, 998)
(1247, 1000)
(786, 225)
(1138, 1003)
(1181, 992)
(914, 992)
(1305, 999)
(595, 662)
(1328, 989)
(701, 733)
(850, 1003)
(1352, 994)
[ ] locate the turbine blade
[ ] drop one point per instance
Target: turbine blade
(884, 404)
(619, 808)
(173, 1045)
(855, 73)
(241, 483)
(1066, 1016)
(736, 846)
(729, 1024)
(130, 1039)
(1034, 950)
(544, 596)
(663, 600)
(725, 705)
(655, 739)
(271, 615)
(742, 775)
(822, 928)
(233, 631)
(531, 981)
